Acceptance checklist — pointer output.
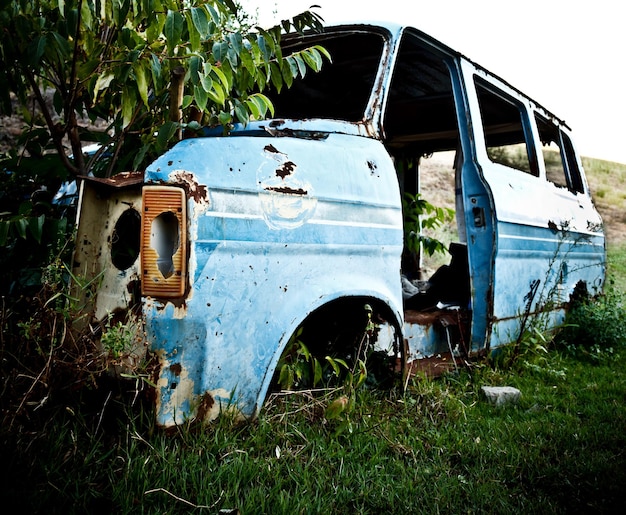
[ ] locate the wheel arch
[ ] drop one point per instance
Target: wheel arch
(343, 312)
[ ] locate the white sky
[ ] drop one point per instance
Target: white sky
(566, 55)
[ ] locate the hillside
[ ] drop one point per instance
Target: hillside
(608, 187)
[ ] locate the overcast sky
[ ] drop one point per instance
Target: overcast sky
(566, 55)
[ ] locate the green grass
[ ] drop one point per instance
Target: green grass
(607, 182)
(437, 448)
(616, 255)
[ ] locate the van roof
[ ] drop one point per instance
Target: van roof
(395, 30)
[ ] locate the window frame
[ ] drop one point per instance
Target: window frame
(481, 83)
(569, 160)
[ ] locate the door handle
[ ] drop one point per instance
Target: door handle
(479, 216)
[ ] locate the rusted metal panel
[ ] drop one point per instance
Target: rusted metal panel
(287, 225)
(107, 248)
(121, 180)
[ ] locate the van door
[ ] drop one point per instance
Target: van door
(542, 245)
(427, 114)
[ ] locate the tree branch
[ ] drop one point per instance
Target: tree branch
(71, 124)
(57, 131)
(177, 88)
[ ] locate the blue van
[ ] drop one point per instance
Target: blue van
(294, 225)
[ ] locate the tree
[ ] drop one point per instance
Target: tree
(149, 68)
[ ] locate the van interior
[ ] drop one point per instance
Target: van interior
(421, 134)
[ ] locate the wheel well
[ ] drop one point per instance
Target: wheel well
(339, 325)
(339, 329)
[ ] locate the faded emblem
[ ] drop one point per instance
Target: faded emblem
(286, 200)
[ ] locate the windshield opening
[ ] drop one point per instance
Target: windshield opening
(342, 89)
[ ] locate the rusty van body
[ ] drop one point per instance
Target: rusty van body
(297, 222)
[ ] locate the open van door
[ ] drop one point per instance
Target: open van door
(427, 113)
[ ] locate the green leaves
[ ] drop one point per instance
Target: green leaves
(173, 30)
(314, 57)
(297, 366)
(23, 224)
(420, 216)
(220, 51)
(35, 50)
(141, 76)
(166, 133)
(337, 407)
(129, 102)
(200, 21)
(114, 61)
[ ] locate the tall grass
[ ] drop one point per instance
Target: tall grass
(439, 447)
(616, 255)
(607, 183)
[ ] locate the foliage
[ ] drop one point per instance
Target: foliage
(616, 257)
(594, 327)
(300, 368)
(513, 156)
(419, 216)
(32, 233)
(297, 366)
(31, 227)
(38, 348)
(560, 449)
(52, 358)
(121, 338)
(529, 354)
(147, 68)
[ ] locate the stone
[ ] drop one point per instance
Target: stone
(501, 395)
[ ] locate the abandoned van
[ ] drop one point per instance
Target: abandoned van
(294, 227)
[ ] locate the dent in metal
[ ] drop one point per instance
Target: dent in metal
(287, 201)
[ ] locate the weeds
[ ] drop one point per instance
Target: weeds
(421, 219)
(561, 446)
(297, 366)
(594, 328)
(48, 364)
(541, 316)
(340, 378)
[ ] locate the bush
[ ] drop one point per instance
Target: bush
(595, 326)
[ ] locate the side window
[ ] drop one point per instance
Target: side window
(558, 156)
(551, 151)
(504, 130)
(573, 170)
